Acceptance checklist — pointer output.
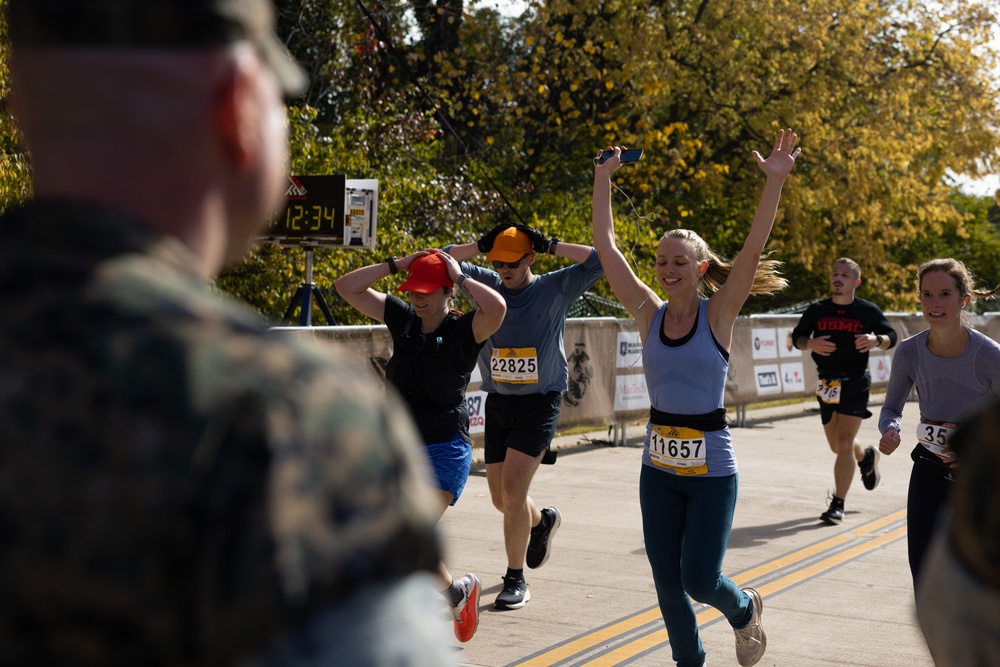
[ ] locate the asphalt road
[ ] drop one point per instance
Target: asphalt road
(833, 595)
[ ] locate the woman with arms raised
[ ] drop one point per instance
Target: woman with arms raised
(688, 482)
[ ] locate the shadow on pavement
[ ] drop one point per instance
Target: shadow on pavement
(753, 536)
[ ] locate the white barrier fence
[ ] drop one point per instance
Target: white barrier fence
(606, 381)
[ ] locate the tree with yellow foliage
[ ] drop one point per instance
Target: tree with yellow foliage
(467, 118)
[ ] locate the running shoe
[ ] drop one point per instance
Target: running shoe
(835, 514)
(540, 544)
(751, 641)
(466, 612)
(514, 594)
(869, 468)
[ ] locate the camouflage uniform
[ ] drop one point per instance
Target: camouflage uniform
(177, 486)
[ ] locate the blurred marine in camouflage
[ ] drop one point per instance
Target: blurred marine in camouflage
(177, 486)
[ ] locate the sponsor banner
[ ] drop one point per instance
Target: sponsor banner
(786, 348)
(879, 366)
(764, 344)
(631, 393)
(628, 351)
(768, 379)
(476, 400)
(793, 378)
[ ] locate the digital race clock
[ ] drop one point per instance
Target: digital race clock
(326, 211)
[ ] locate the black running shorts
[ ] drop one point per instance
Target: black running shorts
(525, 423)
(853, 399)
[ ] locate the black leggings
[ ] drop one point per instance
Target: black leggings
(928, 494)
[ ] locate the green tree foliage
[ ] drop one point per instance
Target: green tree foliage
(886, 96)
(366, 115)
(468, 117)
(15, 168)
(975, 241)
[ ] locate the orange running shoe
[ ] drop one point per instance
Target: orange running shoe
(466, 612)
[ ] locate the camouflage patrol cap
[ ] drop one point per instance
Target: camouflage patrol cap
(153, 24)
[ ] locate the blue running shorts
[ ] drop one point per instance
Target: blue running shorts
(451, 462)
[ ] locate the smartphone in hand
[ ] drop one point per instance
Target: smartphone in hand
(629, 156)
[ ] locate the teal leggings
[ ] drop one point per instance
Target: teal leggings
(686, 523)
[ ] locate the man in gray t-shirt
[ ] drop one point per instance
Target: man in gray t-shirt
(525, 373)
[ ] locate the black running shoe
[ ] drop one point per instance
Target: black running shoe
(869, 468)
(514, 594)
(540, 544)
(835, 514)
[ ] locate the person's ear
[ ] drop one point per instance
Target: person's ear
(237, 117)
(702, 268)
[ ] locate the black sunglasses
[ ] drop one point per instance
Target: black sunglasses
(509, 265)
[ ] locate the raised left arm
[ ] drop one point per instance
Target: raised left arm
(733, 294)
(490, 305)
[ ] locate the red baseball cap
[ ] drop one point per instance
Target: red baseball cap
(428, 273)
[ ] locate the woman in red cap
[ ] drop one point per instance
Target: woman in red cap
(435, 349)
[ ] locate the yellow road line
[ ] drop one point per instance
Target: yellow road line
(646, 642)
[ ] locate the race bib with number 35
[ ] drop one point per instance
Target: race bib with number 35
(935, 435)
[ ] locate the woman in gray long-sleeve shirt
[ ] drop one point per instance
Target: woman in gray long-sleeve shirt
(955, 369)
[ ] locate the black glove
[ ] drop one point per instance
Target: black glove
(539, 242)
(485, 242)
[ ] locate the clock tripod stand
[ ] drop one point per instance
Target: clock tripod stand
(306, 293)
